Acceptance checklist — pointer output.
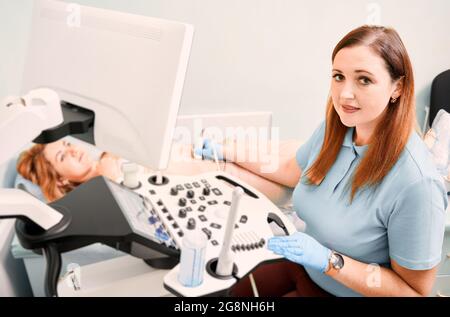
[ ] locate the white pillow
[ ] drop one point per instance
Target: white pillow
(29, 187)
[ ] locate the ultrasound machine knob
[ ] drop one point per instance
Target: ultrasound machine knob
(174, 191)
(182, 202)
(191, 224)
(190, 193)
(206, 191)
(182, 213)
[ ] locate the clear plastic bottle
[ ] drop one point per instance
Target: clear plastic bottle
(192, 261)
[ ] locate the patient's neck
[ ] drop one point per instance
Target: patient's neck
(92, 173)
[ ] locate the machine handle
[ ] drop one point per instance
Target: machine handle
(53, 259)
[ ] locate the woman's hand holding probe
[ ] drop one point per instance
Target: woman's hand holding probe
(209, 150)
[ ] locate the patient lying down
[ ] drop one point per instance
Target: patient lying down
(59, 167)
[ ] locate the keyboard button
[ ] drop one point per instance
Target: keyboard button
(216, 225)
(207, 232)
(152, 220)
(217, 191)
(243, 219)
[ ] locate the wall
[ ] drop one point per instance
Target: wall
(264, 55)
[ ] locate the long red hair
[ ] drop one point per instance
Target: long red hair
(396, 125)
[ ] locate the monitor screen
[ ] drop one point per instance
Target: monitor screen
(128, 69)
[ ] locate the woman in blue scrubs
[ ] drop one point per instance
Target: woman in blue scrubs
(365, 185)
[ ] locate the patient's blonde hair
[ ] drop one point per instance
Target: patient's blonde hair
(33, 166)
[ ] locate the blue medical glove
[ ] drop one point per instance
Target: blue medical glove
(207, 150)
(302, 249)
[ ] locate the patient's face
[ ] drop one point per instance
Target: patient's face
(360, 79)
(71, 162)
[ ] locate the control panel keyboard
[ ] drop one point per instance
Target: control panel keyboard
(181, 204)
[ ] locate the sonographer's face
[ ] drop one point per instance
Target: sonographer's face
(361, 86)
(71, 162)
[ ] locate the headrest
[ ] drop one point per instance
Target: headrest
(30, 187)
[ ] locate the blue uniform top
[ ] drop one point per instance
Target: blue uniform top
(402, 219)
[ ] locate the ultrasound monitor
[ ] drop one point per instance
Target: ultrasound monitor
(128, 69)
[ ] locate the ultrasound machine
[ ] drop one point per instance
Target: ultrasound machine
(116, 80)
